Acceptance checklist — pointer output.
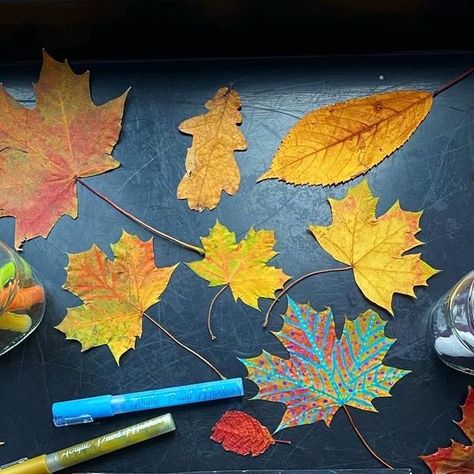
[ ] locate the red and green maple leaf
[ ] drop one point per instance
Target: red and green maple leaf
(46, 149)
(458, 458)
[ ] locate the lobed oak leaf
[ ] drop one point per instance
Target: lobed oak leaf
(210, 165)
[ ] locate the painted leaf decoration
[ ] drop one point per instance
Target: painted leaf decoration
(44, 150)
(459, 458)
(374, 246)
(324, 373)
(210, 164)
(115, 294)
(241, 433)
(336, 143)
(242, 266)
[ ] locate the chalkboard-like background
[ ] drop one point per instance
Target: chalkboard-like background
(433, 171)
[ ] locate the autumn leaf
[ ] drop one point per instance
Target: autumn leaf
(375, 247)
(115, 294)
(459, 458)
(242, 434)
(241, 266)
(338, 142)
(210, 164)
(46, 149)
(324, 373)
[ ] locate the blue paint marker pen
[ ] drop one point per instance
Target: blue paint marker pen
(86, 410)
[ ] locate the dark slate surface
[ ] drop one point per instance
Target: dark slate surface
(433, 171)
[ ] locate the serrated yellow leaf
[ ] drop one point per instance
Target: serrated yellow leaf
(115, 294)
(374, 246)
(210, 164)
(336, 143)
(242, 266)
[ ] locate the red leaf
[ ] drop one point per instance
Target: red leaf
(242, 434)
(457, 459)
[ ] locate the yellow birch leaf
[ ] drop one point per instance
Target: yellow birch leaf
(242, 266)
(115, 294)
(336, 143)
(374, 246)
(210, 164)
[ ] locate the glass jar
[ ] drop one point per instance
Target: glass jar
(22, 299)
(452, 326)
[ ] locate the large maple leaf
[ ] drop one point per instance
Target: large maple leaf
(115, 294)
(45, 149)
(210, 164)
(375, 247)
(324, 373)
(339, 142)
(242, 266)
(459, 458)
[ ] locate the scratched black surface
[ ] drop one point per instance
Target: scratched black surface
(433, 171)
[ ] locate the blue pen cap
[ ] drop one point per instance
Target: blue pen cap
(84, 410)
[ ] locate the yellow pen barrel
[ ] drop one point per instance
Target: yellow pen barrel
(29, 466)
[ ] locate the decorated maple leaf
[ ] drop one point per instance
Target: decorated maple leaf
(115, 294)
(242, 434)
(210, 164)
(459, 458)
(323, 373)
(240, 266)
(338, 142)
(375, 247)
(46, 149)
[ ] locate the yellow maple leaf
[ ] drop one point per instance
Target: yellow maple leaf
(336, 143)
(115, 294)
(374, 246)
(210, 164)
(241, 266)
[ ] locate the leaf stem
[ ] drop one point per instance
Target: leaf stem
(283, 441)
(211, 307)
(364, 442)
(295, 282)
(184, 346)
(135, 219)
(453, 82)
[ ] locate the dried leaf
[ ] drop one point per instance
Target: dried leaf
(242, 434)
(324, 373)
(459, 458)
(210, 164)
(242, 266)
(336, 143)
(44, 150)
(115, 294)
(374, 246)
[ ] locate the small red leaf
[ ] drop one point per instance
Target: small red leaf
(242, 434)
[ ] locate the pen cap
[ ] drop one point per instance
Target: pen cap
(84, 410)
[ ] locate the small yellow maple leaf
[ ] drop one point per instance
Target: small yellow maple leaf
(374, 246)
(241, 266)
(210, 164)
(115, 294)
(338, 142)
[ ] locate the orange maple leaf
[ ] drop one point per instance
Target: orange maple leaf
(44, 150)
(115, 293)
(459, 458)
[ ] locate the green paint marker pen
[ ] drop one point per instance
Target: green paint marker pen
(49, 463)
